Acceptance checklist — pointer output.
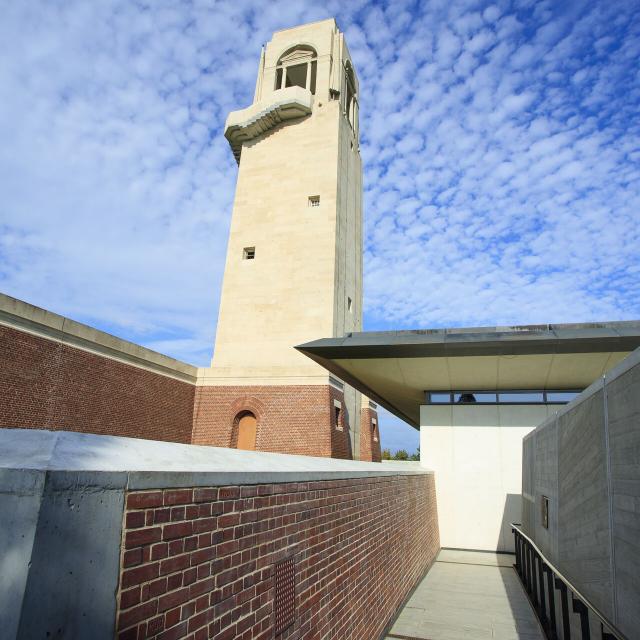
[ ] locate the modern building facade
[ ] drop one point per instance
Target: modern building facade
(581, 496)
(475, 394)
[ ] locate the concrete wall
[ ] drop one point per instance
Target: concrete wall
(586, 460)
(105, 535)
(475, 452)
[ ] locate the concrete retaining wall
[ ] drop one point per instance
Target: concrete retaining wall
(586, 461)
(104, 536)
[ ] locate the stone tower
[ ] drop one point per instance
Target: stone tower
(293, 270)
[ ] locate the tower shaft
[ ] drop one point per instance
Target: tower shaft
(293, 270)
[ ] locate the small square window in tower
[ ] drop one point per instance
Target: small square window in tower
(249, 253)
(314, 201)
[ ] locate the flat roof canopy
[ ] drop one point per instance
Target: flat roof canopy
(395, 368)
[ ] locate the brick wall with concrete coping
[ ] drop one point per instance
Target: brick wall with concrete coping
(586, 461)
(63, 375)
(187, 537)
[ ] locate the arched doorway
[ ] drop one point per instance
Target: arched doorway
(247, 427)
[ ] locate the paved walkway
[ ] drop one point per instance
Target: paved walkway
(468, 595)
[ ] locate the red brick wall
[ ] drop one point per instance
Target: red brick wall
(198, 563)
(45, 384)
(292, 419)
(369, 448)
(340, 434)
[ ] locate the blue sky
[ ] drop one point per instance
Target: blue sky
(501, 145)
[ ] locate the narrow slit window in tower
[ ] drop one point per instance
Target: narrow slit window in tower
(336, 413)
(351, 98)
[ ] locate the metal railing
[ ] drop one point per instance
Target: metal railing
(541, 580)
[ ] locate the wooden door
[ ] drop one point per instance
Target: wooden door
(247, 432)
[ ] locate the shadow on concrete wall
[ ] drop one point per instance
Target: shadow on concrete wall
(65, 551)
(80, 527)
(512, 512)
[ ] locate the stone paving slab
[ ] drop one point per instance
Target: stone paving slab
(468, 595)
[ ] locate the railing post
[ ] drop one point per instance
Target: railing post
(543, 608)
(552, 601)
(531, 565)
(534, 578)
(527, 551)
(516, 544)
(580, 608)
(521, 559)
(566, 626)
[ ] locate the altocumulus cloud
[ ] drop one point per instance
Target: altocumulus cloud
(501, 143)
(503, 177)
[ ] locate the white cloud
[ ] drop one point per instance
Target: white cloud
(500, 146)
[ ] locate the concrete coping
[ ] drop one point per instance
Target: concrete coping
(632, 360)
(561, 330)
(146, 464)
(27, 317)
(465, 341)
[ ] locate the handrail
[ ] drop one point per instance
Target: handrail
(613, 631)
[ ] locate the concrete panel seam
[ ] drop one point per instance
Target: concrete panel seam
(556, 542)
(612, 563)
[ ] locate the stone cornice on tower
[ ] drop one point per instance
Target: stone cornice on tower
(246, 124)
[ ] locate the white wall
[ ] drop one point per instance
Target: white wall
(476, 453)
